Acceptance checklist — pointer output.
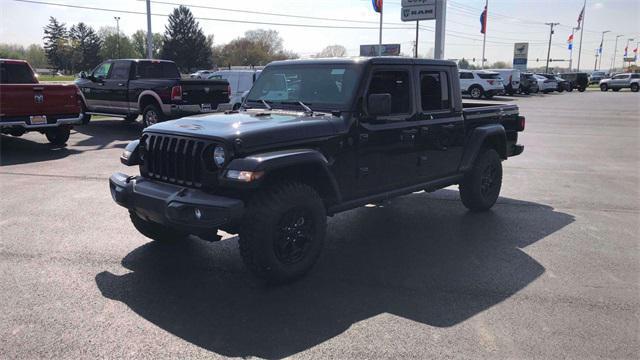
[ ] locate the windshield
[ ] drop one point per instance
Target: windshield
(317, 86)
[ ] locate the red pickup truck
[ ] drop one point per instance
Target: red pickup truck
(26, 105)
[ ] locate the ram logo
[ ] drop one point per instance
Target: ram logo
(38, 98)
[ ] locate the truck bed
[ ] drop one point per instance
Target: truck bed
(24, 100)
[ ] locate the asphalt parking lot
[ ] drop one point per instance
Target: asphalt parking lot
(553, 271)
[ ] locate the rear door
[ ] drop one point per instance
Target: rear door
(440, 124)
(466, 80)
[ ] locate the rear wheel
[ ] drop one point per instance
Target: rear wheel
(480, 188)
(582, 89)
(604, 87)
(283, 232)
(476, 92)
(635, 87)
(59, 135)
(156, 232)
(152, 115)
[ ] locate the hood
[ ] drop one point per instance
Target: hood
(252, 128)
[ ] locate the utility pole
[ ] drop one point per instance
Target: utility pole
(149, 33)
(118, 34)
(552, 24)
(380, 34)
(615, 50)
(600, 49)
(596, 63)
(441, 21)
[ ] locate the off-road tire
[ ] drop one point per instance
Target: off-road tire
(268, 222)
(635, 87)
(152, 115)
(476, 195)
(604, 87)
(130, 118)
(59, 135)
(156, 232)
(476, 92)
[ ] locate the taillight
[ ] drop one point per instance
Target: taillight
(521, 123)
(176, 93)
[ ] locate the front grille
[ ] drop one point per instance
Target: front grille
(173, 159)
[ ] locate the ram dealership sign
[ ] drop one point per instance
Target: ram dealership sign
(415, 10)
(520, 54)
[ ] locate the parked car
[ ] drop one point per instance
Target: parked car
(201, 74)
(126, 88)
(528, 84)
(563, 85)
(480, 83)
(578, 81)
(545, 84)
(510, 79)
(276, 168)
(26, 105)
(596, 76)
(240, 81)
(621, 81)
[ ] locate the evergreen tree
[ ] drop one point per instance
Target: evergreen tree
(86, 47)
(56, 44)
(185, 43)
(139, 42)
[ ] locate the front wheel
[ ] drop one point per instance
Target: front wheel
(604, 87)
(58, 136)
(283, 232)
(635, 87)
(480, 188)
(476, 92)
(155, 232)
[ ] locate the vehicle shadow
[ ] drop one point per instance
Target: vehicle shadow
(16, 150)
(421, 257)
(104, 132)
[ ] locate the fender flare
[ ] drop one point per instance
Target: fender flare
(271, 162)
(478, 138)
(151, 93)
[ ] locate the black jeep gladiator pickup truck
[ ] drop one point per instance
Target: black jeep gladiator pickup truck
(314, 138)
(130, 87)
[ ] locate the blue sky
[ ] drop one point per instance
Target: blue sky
(509, 21)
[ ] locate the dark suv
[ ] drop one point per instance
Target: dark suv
(528, 84)
(315, 138)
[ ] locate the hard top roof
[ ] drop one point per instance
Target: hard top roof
(380, 60)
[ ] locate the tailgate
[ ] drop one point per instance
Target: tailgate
(18, 100)
(205, 91)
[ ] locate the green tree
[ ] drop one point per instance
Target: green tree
(257, 47)
(36, 56)
(85, 45)
(499, 65)
(139, 42)
(463, 64)
(56, 44)
(185, 43)
(114, 45)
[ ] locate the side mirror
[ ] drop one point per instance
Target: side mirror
(83, 75)
(379, 104)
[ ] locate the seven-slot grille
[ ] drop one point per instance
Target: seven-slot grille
(174, 159)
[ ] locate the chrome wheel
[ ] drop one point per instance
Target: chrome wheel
(476, 93)
(151, 117)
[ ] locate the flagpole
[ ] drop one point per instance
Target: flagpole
(584, 14)
(484, 39)
(380, 35)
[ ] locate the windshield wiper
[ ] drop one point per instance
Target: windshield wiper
(266, 104)
(307, 109)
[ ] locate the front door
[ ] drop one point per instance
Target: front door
(386, 144)
(94, 91)
(116, 87)
(441, 131)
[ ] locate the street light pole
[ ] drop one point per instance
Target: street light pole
(117, 34)
(615, 51)
(546, 70)
(149, 33)
(600, 49)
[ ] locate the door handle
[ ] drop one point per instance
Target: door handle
(448, 127)
(120, 84)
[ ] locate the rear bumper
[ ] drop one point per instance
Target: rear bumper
(186, 209)
(515, 150)
(25, 124)
(174, 110)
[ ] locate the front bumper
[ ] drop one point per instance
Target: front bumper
(186, 209)
(25, 124)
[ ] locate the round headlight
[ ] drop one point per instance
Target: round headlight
(219, 155)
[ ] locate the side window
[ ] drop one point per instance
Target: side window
(635, 76)
(102, 70)
(466, 75)
(120, 70)
(619, 77)
(246, 81)
(395, 83)
(434, 91)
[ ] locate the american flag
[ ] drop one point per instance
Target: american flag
(580, 17)
(483, 21)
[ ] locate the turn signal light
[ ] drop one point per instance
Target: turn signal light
(176, 93)
(521, 123)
